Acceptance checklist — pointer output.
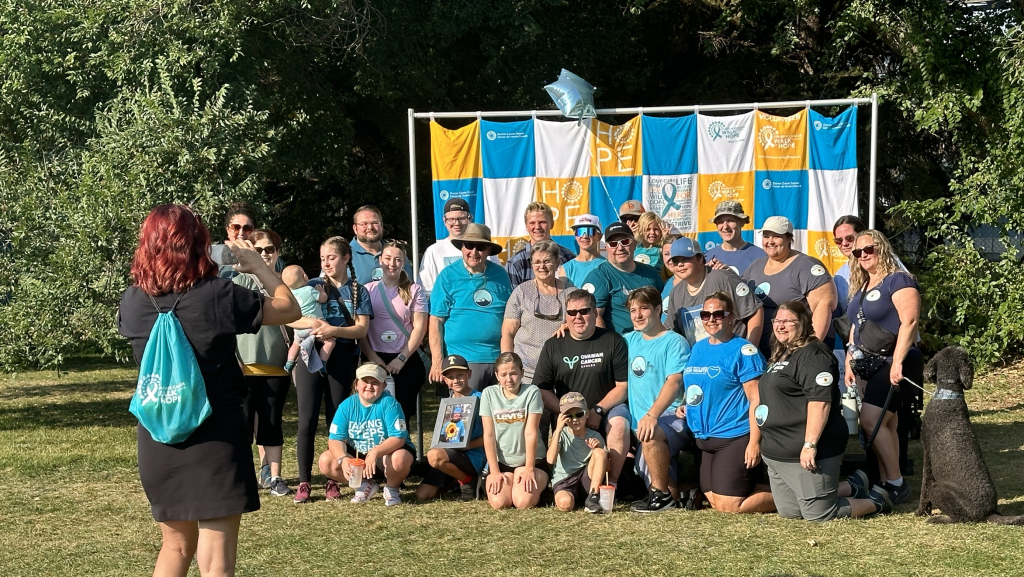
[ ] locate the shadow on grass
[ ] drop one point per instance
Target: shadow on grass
(70, 414)
(59, 389)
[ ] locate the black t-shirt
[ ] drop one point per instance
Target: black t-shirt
(590, 367)
(211, 313)
(809, 374)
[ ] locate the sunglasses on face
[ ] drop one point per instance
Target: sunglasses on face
(839, 240)
(717, 315)
(868, 250)
(586, 231)
(625, 243)
(576, 415)
(241, 227)
(570, 313)
(479, 246)
(265, 249)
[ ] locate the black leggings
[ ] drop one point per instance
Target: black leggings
(264, 406)
(311, 389)
(408, 382)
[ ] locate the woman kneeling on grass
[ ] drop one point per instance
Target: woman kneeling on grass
(369, 425)
(517, 471)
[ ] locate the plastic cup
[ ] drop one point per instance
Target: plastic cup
(607, 498)
(357, 473)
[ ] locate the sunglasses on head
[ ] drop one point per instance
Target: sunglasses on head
(480, 246)
(625, 242)
(717, 315)
(240, 227)
(627, 218)
(586, 231)
(265, 249)
(570, 313)
(554, 317)
(842, 239)
(576, 415)
(868, 250)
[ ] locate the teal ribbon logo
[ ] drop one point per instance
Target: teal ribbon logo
(670, 201)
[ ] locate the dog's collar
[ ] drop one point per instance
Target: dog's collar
(947, 395)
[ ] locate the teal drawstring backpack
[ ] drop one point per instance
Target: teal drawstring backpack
(170, 399)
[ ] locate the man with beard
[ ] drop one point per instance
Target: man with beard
(368, 226)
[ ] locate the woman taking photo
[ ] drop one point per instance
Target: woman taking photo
(803, 432)
(721, 392)
(886, 304)
(400, 313)
(172, 270)
(517, 472)
(536, 308)
(261, 356)
(347, 317)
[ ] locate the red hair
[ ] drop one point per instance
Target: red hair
(174, 251)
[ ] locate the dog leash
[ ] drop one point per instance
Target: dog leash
(919, 386)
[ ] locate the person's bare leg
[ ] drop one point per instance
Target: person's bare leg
(564, 501)
(177, 549)
(272, 456)
(218, 546)
(396, 467)
(886, 445)
(503, 498)
(618, 446)
(520, 497)
(596, 468)
(656, 456)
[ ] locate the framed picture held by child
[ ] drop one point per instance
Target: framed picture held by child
(454, 422)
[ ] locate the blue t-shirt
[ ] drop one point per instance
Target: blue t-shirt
(879, 308)
(473, 306)
(651, 362)
(665, 292)
(577, 271)
(363, 428)
(610, 287)
(476, 456)
(367, 264)
(332, 309)
(716, 405)
(737, 260)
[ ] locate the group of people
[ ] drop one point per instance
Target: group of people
(579, 362)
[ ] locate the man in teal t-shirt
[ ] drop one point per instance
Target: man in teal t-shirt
(467, 307)
(612, 281)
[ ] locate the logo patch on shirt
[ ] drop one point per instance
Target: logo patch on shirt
(388, 336)
(763, 290)
(510, 416)
(761, 414)
(694, 395)
(639, 366)
(642, 258)
(588, 287)
(482, 298)
(714, 371)
(742, 290)
(334, 429)
(400, 424)
(823, 378)
(873, 295)
(571, 361)
(817, 270)
(748, 350)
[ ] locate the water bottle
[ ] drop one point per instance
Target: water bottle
(850, 411)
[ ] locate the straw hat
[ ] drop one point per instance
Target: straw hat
(477, 233)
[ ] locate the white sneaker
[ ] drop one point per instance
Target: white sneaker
(391, 496)
(365, 491)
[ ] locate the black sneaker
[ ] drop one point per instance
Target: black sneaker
(655, 502)
(467, 492)
(880, 497)
(592, 504)
(859, 484)
(898, 494)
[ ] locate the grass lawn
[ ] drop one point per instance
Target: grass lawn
(71, 504)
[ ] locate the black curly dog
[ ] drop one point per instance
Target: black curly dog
(956, 480)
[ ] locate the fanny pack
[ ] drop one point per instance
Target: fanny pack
(876, 343)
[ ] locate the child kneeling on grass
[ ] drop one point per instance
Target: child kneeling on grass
(370, 425)
(450, 465)
(579, 457)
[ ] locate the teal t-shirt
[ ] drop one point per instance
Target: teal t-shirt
(611, 286)
(716, 405)
(509, 417)
(651, 362)
(577, 271)
(573, 454)
(665, 292)
(473, 306)
(476, 456)
(363, 428)
(649, 256)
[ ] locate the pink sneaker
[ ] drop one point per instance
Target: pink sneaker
(331, 490)
(302, 494)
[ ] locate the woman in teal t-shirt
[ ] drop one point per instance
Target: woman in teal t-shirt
(511, 411)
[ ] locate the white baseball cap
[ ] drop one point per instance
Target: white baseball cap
(778, 225)
(586, 220)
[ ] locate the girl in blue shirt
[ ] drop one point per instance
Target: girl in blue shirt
(721, 390)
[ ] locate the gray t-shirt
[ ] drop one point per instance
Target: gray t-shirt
(684, 308)
(509, 418)
(802, 275)
(533, 331)
(573, 453)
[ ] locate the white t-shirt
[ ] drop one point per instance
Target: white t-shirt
(437, 256)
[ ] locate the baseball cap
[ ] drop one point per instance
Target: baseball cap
(454, 362)
(778, 225)
(616, 229)
(572, 400)
(370, 370)
(586, 220)
(684, 247)
(732, 208)
(631, 207)
(454, 204)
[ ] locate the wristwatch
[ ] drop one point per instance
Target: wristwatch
(402, 357)
(810, 445)
(599, 410)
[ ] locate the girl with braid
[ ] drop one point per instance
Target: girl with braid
(347, 314)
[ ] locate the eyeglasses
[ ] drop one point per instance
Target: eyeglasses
(717, 315)
(546, 263)
(371, 224)
(844, 239)
(555, 317)
(240, 227)
(570, 313)
(868, 250)
(265, 249)
(457, 220)
(586, 231)
(480, 246)
(625, 243)
(783, 321)
(577, 415)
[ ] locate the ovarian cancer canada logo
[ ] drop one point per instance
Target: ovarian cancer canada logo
(817, 125)
(766, 183)
(719, 191)
(825, 249)
(444, 195)
(769, 137)
(572, 191)
(491, 135)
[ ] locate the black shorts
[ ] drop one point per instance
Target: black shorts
(440, 479)
(722, 470)
(577, 484)
(540, 465)
(875, 389)
(379, 474)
